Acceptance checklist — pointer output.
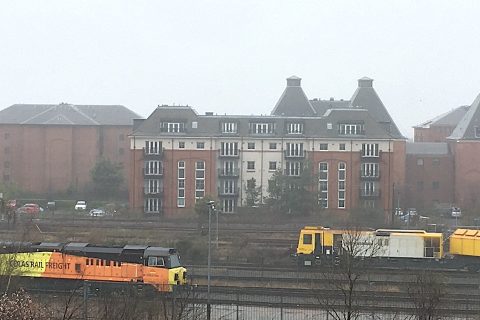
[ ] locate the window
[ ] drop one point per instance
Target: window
(250, 165)
(369, 189)
(294, 150)
(293, 168)
(153, 186)
(153, 167)
(307, 239)
(262, 128)
(251, 145)
(172, 127)
(229, 205)
(228, 168)
(419, 162)
(370, 150)
(194, 124)
(152, 205)
(272, 146)
(435, 162)
(228, 187)
(294, 128)
(435, 185)
(323, 184)
(181, 145)
(272, 166)
(156, 262)
(229, 127)
(199, 179)
(229, 149)
(341, 146)
(370, 170)
(477, 132)
(323, 146)
(342, 168)
(351, 129)
(181, 184)
(153, 147)
(200, 145)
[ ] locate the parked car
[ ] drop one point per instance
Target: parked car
(81, 205)
(31, 209)
(456, 212)
(98, 212)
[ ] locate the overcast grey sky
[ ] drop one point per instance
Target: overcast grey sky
(233, 56)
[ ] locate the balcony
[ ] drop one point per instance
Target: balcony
(153, 193)
(370, 157)
(299, 154)
(152, 174)
(224, 173)
(369, 176)
(228, 193)
(369, 194)
(153, 153)
(229, 153)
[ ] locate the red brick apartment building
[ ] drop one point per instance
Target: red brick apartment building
(52, 148)
(446, 165)
(355, 148)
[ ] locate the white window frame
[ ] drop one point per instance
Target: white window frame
(181, 166)
(152, 205)
(294, 149)
(342, 174)
(229, 205)
(199, 179)
(370, 169)
(153, 167)
(323, 184)
(293, 168)
(153, 147)
(370, 150)
(152, 186)
(295, 128)
(229, 127)
(262, 127)
(349, 129)
(229, 149)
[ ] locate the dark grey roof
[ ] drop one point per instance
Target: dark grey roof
(366, 97)
(67, 114)
(427, 148)
(321, 106)
(465, 129)
(293, 101)
(450, 118)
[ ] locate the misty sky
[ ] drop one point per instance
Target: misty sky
(233, 56)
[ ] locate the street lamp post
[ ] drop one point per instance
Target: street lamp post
(211, 208)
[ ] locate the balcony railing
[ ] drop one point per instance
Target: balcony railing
(228, 172)
(228, 193)
(369, 176)
(370, 157)
(294, 154)
(369, 194)
(229, 153)
(153, 191)
(153, 153)
(152, 173)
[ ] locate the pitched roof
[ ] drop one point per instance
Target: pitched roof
(67, 114)
(366, 97)
(293, 101)
(427, 148)
(450, 118)
(465, 129)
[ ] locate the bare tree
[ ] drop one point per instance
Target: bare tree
(354, 253)
(426, 293)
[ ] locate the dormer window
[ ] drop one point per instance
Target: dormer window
(262, 128)
(294, 128)
(350, 129)
(172, 127)
(229, 127)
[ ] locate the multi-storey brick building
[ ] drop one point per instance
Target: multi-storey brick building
(443, 167)
(52, 148)
(354, 147)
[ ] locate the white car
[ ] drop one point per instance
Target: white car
(81, 205)
(100, 212)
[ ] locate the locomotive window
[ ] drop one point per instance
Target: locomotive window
(307, 239)
(97, 262)
(156, 262)
(173, 261)
(107, 263)
(119, 263)
(101, 262)
(87, 263)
